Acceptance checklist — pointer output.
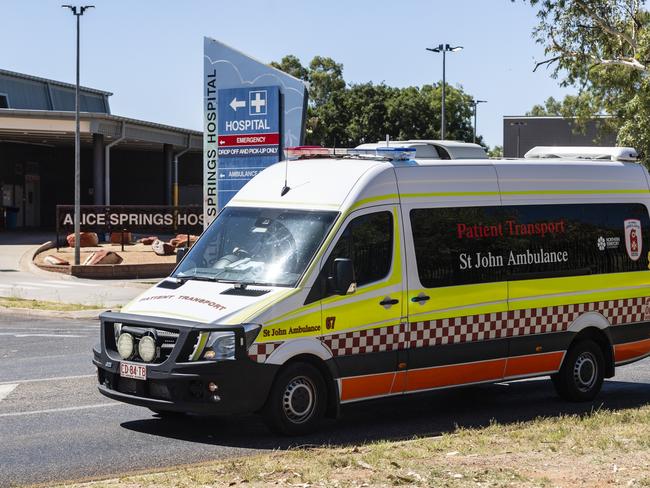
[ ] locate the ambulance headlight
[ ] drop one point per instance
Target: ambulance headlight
(220, 346)
(125, 345)
(147, 349)
(117, 329)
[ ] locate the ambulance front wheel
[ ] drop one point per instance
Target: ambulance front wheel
(297, 401)
(581, 376)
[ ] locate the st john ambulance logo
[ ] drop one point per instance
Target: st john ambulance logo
(633, 239)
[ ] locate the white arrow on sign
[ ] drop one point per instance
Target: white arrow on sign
(235, 104)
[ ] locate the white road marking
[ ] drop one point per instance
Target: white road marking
(44, 329)
(56, 378)
(72, 283)
(63, 409)
(42, 284)
(5, 390)
(15, 287)
(20, 335)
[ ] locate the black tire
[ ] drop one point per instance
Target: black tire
(297, 401)
(581, 376)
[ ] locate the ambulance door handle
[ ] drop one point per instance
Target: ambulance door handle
(388, 301)
(420, 298)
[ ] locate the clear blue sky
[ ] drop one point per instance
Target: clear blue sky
(150, 53)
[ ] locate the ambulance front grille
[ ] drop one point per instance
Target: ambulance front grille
(166, 341)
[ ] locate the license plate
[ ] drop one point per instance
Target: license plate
(135, 371)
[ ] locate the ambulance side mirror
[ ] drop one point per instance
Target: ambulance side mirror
(180, 254)
(342, 280)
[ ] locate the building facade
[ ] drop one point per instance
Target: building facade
(124, 161)
(522, 133)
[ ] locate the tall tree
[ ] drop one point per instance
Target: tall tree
(291, 65)
(325, 78)
(603, 48)
(340, 115)
(550, 107)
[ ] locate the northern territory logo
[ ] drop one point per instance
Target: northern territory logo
(633, 238)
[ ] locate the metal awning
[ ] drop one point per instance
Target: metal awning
(51, 128)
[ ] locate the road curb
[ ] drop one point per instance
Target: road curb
(59, 314)
(26, 261)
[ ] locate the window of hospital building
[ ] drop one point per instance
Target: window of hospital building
(455, 246)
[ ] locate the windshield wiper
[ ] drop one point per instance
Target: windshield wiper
(196, 277)
(261, 283)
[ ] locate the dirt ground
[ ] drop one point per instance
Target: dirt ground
(132, 254)
(600, 449)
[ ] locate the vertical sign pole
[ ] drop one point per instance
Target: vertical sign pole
(77, 166)
(442, 117)
(77, 12)
(474, 136)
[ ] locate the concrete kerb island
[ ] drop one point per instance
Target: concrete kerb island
(122, 271)
(104, 271)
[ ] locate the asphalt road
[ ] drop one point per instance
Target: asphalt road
(21, 279)
(54, 426)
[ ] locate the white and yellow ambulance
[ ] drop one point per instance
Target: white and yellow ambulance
(332, 278)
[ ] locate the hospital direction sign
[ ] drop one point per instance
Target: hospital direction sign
(248, 136)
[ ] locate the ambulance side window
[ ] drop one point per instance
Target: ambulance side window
(467, 245)
(368, 241)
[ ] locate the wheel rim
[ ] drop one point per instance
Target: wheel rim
(585, 371)
(299, 400)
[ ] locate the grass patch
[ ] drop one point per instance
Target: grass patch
(601, 448)
(14, 302)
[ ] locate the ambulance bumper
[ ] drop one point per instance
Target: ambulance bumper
(238, 385)
(242, 387)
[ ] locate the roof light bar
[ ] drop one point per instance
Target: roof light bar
(388, 153)
(297, 152)
(595, 153)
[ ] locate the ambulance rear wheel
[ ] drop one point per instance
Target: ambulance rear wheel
(581, 376)
(297, 402)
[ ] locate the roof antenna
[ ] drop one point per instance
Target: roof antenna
(285, 188)
(387, 140)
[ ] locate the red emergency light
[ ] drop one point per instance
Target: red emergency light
(297, 152)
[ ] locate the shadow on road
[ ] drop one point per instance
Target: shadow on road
(26, 237)
(402, 418)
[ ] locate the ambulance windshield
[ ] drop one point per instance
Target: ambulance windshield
(257, 246)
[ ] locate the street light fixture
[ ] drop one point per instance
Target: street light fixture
(475, 103)
(77, 12)
(443, 48)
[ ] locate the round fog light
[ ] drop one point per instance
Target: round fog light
(125, 345)
(147, 349)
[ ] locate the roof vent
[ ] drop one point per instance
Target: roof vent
(624, 154)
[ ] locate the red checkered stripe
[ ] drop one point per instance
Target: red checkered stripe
(365, 341)
(259, 351)
(472, 328)
(521, 322)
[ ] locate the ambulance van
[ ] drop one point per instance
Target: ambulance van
(332, 279)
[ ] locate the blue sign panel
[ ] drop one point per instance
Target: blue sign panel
(248, 136)
(225, 68)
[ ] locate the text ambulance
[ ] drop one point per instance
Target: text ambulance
(371, 276)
